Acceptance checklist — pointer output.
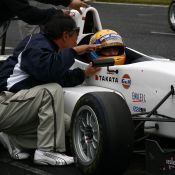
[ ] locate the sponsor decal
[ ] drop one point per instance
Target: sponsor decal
(126, 81)
(113, 36)
(106, 78)
(96, 77)
(170, 161)
(109, 36)
(168, 165)
(138, 97)
(138, 109)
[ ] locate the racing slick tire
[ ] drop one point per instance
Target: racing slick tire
(102, 133)
(171, 15)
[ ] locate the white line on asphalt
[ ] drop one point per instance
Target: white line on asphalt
(144, 14)
(8, 48)
(162, 33)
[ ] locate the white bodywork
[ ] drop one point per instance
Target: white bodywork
(73, 94)
(146, 84)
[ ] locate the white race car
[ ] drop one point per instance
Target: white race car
(104, 107)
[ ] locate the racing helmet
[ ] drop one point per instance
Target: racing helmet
(108, 39)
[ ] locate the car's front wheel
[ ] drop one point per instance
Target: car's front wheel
(171, 15)
(102, 133)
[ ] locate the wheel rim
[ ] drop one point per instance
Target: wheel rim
(86, 134)
(172, 14)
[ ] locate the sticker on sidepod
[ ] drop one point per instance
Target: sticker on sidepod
(126, 81)
(106, 78)
(138, 97)
(139, 109)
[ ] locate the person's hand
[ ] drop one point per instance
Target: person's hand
(90, 71)
(66, 12)
(86, 48)
(76, 4)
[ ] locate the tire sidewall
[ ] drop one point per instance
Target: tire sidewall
(112, 138)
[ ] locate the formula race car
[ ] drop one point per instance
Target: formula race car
(102, 132)
(109, 108)
(171, 15)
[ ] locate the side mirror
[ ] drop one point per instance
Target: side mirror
(103, 63)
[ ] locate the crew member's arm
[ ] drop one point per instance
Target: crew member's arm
(36, 16)
(46, 65)
(30, 14)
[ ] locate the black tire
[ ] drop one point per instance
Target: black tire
(171, 15)
(102, 133)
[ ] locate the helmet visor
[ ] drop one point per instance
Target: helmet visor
(111, 51)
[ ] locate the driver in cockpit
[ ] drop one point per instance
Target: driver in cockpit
(111, 46)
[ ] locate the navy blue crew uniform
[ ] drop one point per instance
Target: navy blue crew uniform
(37, 60)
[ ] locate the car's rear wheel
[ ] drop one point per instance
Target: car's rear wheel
(102, 133)
(171, 15)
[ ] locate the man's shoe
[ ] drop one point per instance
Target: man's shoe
(52, 158)
(14, 152)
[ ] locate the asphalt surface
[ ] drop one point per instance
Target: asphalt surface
(26, 167)
(144, 28)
